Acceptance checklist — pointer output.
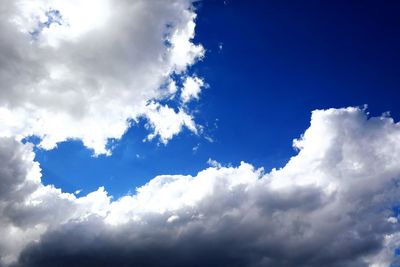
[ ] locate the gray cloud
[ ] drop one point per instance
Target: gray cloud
(329, 206)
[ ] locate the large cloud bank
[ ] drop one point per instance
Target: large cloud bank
(331, 205)
(87, 69)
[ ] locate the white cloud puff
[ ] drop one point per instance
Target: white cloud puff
(191, 89)
(166, 122)
(65, 74)
(331, 205)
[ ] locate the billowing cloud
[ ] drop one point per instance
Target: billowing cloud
(331, 205)
(86, 69)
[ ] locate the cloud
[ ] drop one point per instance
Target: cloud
(166, 122)
(66, 75)
(331, 205)
(191, 89)
(214, 163)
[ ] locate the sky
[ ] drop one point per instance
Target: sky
(199, 133)
(275, 60)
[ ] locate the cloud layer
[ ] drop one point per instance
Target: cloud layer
(87, 69)
(331, 205)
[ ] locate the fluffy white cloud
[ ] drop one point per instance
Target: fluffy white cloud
(166, 122)
(191, 89)
(67, 74)
(329, 206)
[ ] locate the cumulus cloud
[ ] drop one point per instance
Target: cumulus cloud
(331, 205)
(166, 122)
(65, 74)
(191, 89)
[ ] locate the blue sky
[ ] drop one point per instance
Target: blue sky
(278, 61)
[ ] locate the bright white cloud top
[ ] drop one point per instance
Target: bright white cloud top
(85, 69)
(191, 89)
(329, 206)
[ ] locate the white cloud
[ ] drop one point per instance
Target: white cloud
(329, 206)
(191, 89)
(66, 74)
(166, 122)
(183, 51)
(214, 163)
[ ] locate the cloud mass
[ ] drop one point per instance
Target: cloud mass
(65, 74)
(331, 205)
